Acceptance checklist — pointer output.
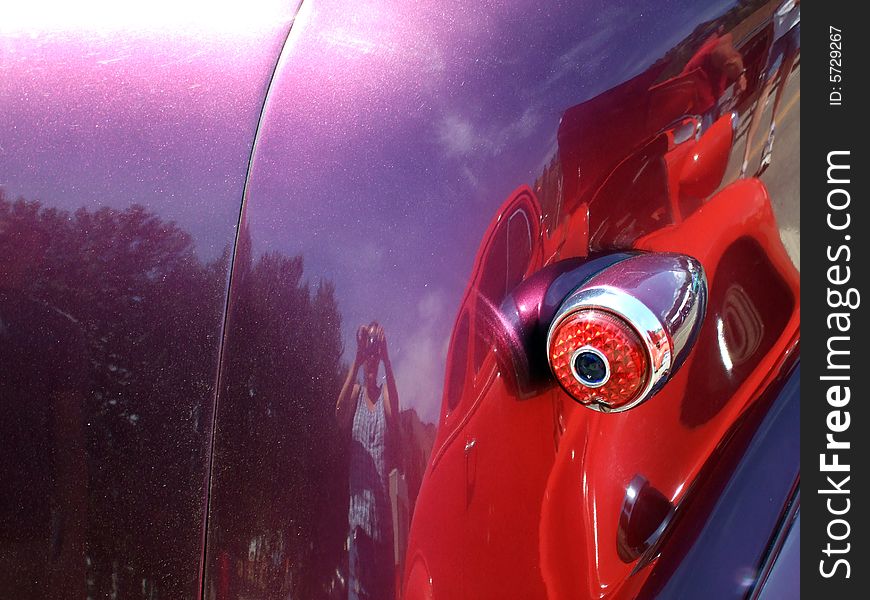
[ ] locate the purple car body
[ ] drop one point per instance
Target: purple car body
(124, 157)
(199, 207)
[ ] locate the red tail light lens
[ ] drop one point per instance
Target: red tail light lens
(599, 359)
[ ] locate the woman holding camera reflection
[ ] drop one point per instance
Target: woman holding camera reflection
(369, 411)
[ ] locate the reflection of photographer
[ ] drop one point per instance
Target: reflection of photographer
(370, 412)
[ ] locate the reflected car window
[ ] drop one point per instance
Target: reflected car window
(459, 364)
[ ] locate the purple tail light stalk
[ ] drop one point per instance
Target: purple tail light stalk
(661, 296)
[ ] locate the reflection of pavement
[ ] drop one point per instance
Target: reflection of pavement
(783, 177)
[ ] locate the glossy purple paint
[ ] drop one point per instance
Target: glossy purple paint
(414, 164)
(125, 146)
(394, 141)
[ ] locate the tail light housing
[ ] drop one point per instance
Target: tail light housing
(617, 338)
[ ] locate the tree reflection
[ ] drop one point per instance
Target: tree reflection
(109, 329)
(279, 521)
(280, 482)
(109, 322)
(109, 326)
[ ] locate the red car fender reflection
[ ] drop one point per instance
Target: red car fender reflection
(599, 455)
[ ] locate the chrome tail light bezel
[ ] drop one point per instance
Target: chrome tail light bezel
(666, 318)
